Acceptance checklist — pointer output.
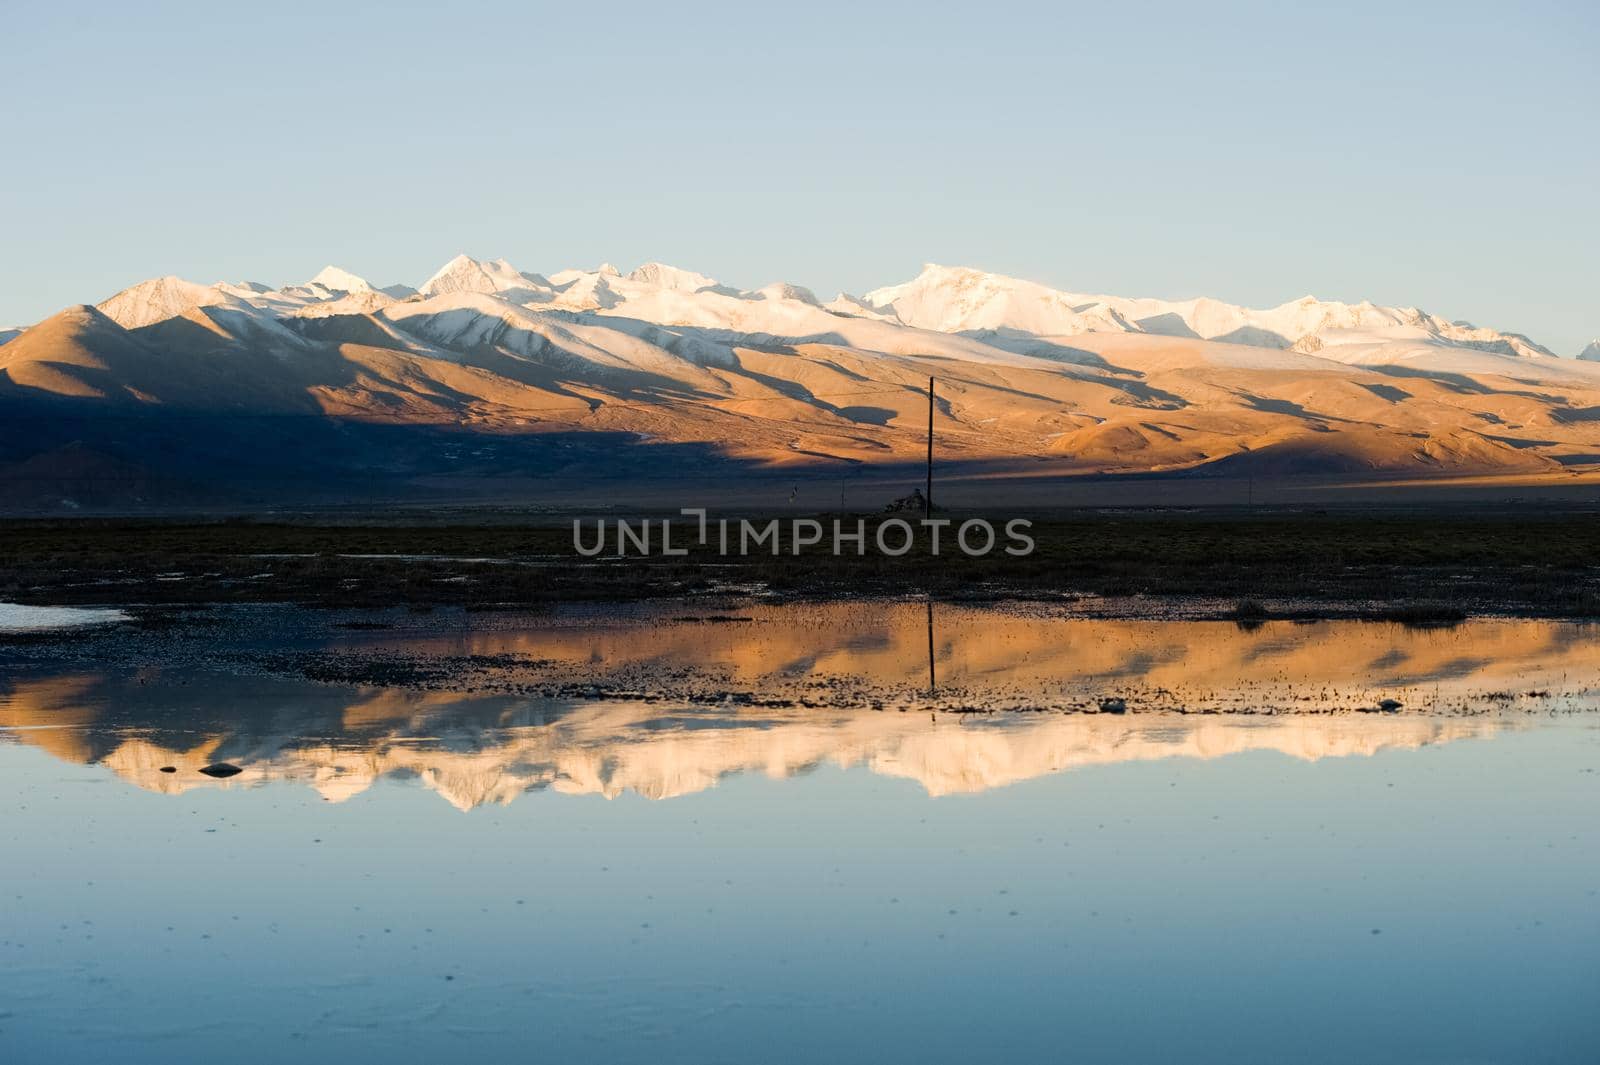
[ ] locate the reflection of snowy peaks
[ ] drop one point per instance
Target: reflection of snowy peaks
(818, 676)
(604, 749)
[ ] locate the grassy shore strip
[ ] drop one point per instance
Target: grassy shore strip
(1421, 568)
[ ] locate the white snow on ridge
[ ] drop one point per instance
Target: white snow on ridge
(958, 299)
(337, 280)
(161, 298)
(467, 322)
(783, 290)
(465, 274)
(351, 302)
(660, 275)
(953, 312)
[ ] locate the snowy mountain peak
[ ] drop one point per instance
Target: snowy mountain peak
(1091, 383)
(959, 299)
(466, 274)
(337, 280)
(935, 270)
(161, 298)
(972, 307)
(962, 300)
(783, 290)
(854, 307)
(1591, 353)
(660, 275)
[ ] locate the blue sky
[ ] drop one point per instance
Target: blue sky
(1442, 155)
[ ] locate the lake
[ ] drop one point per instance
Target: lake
(767, 833)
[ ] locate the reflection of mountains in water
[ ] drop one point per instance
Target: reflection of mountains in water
(995, 656)
(482, 750)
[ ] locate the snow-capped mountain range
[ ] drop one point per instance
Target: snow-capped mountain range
(587, 374)
(941, 299)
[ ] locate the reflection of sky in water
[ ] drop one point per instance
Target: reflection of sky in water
(15, 617)
(1168, 910)
(826, 883)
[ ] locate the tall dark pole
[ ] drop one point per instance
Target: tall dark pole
(927, 512)
(927, 498)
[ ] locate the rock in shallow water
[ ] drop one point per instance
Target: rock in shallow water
(222, 770)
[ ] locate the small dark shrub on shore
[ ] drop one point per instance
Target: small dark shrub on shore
(1249, 610)
(1423, 614)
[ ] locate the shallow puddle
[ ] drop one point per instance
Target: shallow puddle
(15, 617)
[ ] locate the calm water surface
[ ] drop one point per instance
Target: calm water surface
(402, 874)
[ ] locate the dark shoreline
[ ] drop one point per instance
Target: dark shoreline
(1419, 566)
(545, 658)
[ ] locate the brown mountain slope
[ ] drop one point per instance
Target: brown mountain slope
(463, 393)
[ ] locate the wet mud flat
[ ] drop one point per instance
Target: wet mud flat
(891, 655)
(1417, 566)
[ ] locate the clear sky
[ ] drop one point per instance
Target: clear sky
(1443, 155)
